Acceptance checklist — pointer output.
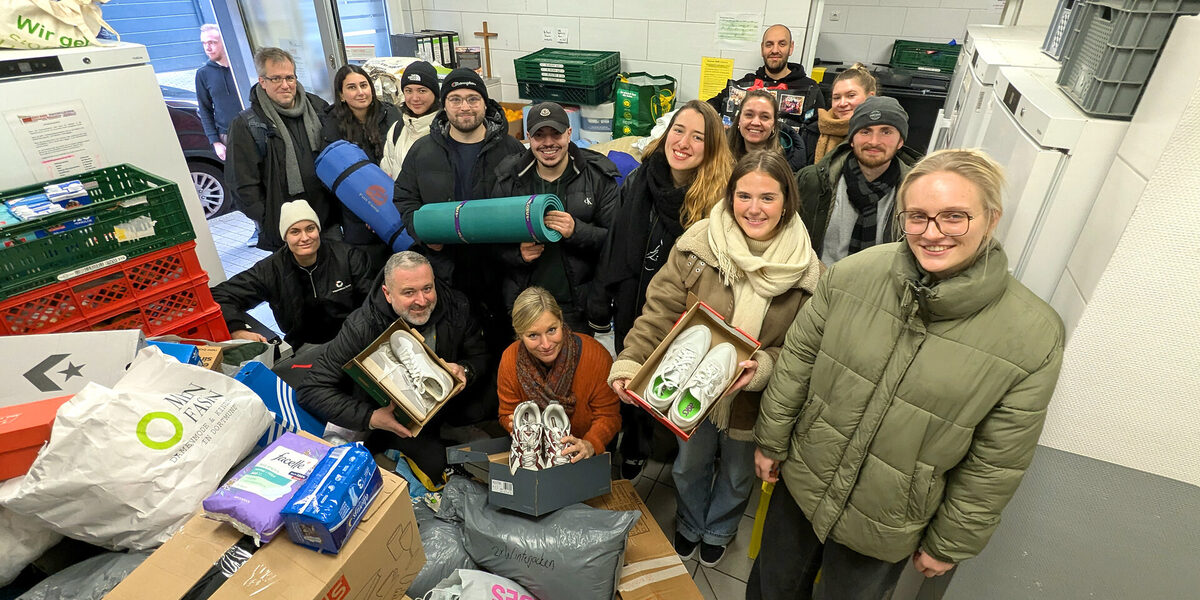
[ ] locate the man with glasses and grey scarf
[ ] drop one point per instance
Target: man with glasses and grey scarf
(272, 149)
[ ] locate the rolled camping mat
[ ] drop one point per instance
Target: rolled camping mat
(487, 221)
(364, 189)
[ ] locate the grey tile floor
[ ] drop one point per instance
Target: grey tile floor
(726, 581)
(230, 233)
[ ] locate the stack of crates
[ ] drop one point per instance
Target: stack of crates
(126, 260)
(578, 77)
(925, 56)
(1065, 15)
(1111, 51)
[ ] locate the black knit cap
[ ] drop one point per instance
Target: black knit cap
(463, 79)
(420, 73)
(879, 110)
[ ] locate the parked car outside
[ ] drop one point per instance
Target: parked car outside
(207, 169)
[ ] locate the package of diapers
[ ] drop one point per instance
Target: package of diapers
(329, 505)
(252, 499)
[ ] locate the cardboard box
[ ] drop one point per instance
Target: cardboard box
(366, 374)
(516, 125)
(652, 571)
(50, 365)
(696, 314)
(211, 357)
(184, 353)
(24, 429)
(380, 560)
(532, 492)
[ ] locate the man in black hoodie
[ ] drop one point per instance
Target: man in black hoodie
(786, 77)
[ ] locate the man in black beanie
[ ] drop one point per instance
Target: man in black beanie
(456, 162)
(849, 197)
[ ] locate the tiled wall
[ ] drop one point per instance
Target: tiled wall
(663, 38)
(865, 29)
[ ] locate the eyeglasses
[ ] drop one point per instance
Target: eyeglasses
(951, 223)
(472, 101)
(278, 79)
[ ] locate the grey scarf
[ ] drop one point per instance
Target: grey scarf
(312, 126)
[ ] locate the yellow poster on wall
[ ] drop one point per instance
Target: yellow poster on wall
(714, 74)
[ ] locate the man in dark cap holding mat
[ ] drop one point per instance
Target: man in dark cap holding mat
(586, 183)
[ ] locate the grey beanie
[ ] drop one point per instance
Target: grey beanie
(879, 110)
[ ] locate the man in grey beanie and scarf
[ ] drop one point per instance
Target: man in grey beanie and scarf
(272, 149)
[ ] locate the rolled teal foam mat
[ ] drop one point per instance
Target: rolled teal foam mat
(488, 221)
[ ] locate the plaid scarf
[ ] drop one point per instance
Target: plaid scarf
(865, 196)
(545, 384)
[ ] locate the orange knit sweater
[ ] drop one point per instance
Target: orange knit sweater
(597, 415)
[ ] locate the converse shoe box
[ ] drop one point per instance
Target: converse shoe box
(698, 313)
(49, 365)
(24, 429)
(532, 492)
(379, 560)
(366, 375)
(652, 569)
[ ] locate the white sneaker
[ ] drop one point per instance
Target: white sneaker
(705, 385)
(526, 437)
(430, 383)
(555, 425)
(676, 366)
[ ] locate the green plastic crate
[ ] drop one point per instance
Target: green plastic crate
(120, 195)
(587, 68)
(925, 56)
(567, 94)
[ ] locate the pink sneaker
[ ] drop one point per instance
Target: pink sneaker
(555, 425)
(526, 449)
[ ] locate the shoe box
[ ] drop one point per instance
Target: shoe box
(49, 365)
(652, 569)
(363, 372)
(380, 559)
(24, 429)
(532, 492)
(698, 313)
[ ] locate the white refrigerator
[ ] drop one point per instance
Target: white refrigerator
(116, 114)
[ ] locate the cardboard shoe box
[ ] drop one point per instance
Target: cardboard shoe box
(698, 313)
(369, 375)
(24, 429)
(532, 492)
(211, 357)
(38, 367)
(652, 570)
(380, 559)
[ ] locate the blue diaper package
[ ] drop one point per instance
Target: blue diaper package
(331, 502)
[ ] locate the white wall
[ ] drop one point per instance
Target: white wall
(865, 29)
(663, 38)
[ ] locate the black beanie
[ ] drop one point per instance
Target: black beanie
(420, 73)
(463, 79)
(879, 110)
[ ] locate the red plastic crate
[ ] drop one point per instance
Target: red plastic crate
(209, 326)
(68, 305)
(161, 314)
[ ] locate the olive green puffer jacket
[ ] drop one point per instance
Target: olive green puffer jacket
(906, 411)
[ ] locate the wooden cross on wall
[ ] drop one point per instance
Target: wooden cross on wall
(487, 47)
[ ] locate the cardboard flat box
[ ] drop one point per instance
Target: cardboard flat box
(698, 313)
(652, 571)
(379, 560)
(211, 357)
(532, 492)
(367, 374)
(50, 365)
(24, 429)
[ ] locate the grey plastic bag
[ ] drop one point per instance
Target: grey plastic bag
(574, 553)
(444, 550)
(91, 579)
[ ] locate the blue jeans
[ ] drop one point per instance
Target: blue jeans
(711, 494)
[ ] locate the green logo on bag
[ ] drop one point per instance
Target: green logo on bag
(144, 424)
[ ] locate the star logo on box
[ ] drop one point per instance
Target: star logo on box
(39, 374)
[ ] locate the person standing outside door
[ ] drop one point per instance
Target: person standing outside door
(216, 93)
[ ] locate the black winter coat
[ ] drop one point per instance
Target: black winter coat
(329, 393)
(590, 197)
(308, 306)
(259, 183)
(353, 228)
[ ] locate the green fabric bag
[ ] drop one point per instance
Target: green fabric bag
(638, 100)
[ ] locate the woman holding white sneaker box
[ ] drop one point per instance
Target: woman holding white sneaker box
(752, 262)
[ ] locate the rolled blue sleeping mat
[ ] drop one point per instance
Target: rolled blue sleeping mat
(488, 221)
(364, 189)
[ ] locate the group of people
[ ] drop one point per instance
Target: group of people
(903, 374)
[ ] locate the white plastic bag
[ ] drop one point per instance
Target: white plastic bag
(23, 540)
(126, 467)
(53, 24)
(469, 584)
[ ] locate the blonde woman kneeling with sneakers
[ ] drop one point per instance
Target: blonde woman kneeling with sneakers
(553, 396)
(752, 262)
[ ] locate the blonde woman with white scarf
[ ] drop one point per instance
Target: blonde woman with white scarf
(751, 261)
